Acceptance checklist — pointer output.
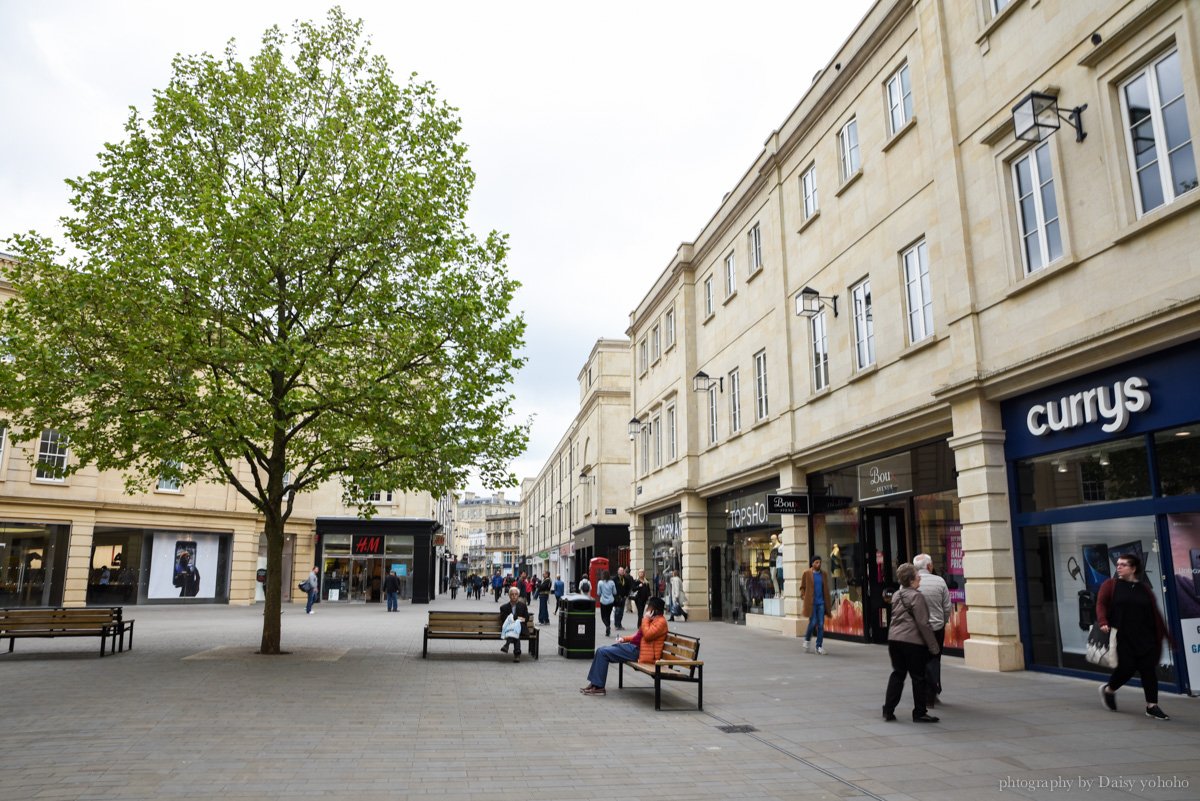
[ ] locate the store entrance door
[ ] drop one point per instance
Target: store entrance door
(884, 549)
(366, 579)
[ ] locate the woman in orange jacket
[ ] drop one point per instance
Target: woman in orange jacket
(646, 646)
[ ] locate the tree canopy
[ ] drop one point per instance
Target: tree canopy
(273, 270)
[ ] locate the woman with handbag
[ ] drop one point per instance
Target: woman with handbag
(1126, 603)
(910, 642)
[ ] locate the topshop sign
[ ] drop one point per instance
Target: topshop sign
(1113, 404)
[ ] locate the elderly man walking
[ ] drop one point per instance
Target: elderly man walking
(937, 598)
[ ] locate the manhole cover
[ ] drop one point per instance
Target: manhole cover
(736, 729)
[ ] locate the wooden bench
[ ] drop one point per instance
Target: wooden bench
(678, 663)
(106, 622)
(473, 626)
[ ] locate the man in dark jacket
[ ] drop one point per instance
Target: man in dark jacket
(497, 585)
(391, 589)
(624, 589)
(517, 608)
(545, 586)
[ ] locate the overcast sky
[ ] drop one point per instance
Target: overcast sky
(602, 134)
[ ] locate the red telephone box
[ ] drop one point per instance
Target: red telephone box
(596, 568)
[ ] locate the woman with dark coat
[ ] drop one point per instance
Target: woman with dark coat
(910, 642)
(1127, 604)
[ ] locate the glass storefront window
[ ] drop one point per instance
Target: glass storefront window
(1114, 471)
(1065, 564)
(32, 564)
(757, 573)
(939, 534)
(115, 568)
(835, 539)
(1178, 454)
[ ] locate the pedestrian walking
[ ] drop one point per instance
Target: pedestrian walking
(677, 598)
(391, 591)
(937, 598)
(646, 646)
(497, 584)
(454, 585)
(314, 587)
(641, 594)
(1126, 603)
(543, 592)
(606, 590)
(814, 592)
(910, 642)
(624, 587)
(585, 586)
(512, 618)
(559, 590)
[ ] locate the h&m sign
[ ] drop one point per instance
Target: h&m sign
(367, 545)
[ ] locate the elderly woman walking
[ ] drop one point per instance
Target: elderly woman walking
(910, 643)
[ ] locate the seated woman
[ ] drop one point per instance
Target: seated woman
(645, 646)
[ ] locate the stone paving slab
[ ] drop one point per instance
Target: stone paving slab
(355, 712)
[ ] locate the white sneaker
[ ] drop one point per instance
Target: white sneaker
(808, 646)
(820, 650)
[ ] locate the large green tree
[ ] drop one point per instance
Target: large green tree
(270, 283)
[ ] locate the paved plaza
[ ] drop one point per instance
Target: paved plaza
(355, 713)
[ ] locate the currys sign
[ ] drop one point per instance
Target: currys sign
(1111, 404)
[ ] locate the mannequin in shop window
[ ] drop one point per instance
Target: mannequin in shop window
(777, 564)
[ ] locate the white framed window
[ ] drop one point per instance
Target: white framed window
(735, 401)
(820, 350)
(3, 439)
(754, 245)
(709, 300)
(864, 325)
(712, 414)
(1157, 135)
(166, 483)
(656, 432)
(669, 325)
(52, 456)
(672, 448)
(760, 385)
(808, 191)
(730, 275)
(645, 443)
(848, 155)
(1037, 208)
(998, 5)
(655, 344)
(899, 99)
(643, 356)
(917, 293)
(380, 497)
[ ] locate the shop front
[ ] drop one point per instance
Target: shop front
(1100, 466)
(745, 555)
(663, 546)
(138, 566)
(33, 561)
(355, 556)
(868, 518)
(610, 542)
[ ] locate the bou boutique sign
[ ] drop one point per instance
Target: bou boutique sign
(1110, 405)
(882, 478)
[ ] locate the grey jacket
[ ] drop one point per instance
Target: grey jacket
(910, 620)
(937, 597)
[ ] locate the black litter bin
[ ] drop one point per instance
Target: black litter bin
(577, 627)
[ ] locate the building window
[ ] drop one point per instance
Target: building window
(655, 343)
(755, 246)
(760, 385)
(380, 497)
(998, 6)
(820, 344)
(917, 292)
(646, 448)
(1037, 208)
(864, 325)
(669, 324)
(735, 401)
(808, 191)
(849, 157)
(730, 275)
(52, 456)
(672, 452)
(168, 483)
(899, 99)
(656, 431)
(709, 304)
(643, 360)
(3, 439)
(712, 414)
(1157, 133)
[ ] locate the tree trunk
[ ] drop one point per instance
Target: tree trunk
(273, 589)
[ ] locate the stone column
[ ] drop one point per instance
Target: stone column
(79, 561)
(795, 538)
(693, 519)
(243, 576)
(988, 566)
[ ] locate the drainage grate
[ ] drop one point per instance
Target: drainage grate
(736, 729)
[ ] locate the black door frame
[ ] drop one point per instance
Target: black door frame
(884, 528)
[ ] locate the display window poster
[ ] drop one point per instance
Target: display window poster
(183, 565)
(1184, 532)
(954, 565)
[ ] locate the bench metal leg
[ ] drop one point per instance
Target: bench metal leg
(700, 689)
(657, 688)
(425, 647)
(620, 675)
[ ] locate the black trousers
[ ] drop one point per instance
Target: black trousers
(933, 668)
(909, 660)
(1144, 664)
